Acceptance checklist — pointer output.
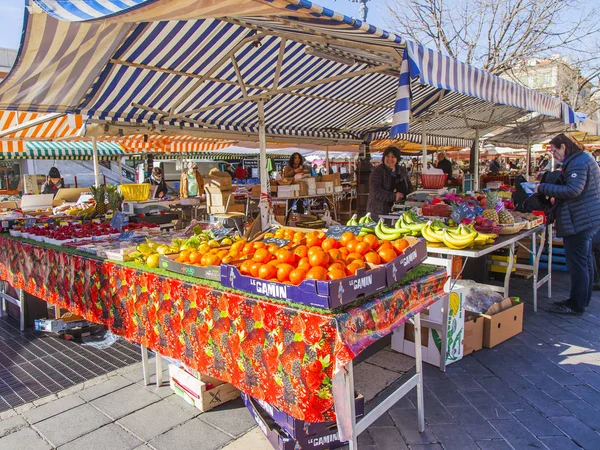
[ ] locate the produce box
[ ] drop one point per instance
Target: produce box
(334, 177)
(473, 340)
(203, 392)
(281, 440)
(502, 321)
(334, 293)
(209, 272)
(221, 182)
(299, 429)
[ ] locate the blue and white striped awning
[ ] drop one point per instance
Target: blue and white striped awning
(176, 64)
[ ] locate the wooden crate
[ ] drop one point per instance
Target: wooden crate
(201, 391)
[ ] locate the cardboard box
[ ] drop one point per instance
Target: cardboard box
(255, 191)
(327, 185)
(502, 321)
(473, 340)
(201, 391)
(208, 273)
(221, 182)
(335, 178)
(303, 189)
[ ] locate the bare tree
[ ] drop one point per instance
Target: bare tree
(496, 35)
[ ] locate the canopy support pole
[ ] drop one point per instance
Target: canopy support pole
(96, 165)
(528, 158)
(262, 164)
(476, 162)
(327, 159)
(424, 144)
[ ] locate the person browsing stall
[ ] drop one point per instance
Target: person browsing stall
(191, 183)
(444, 164)
(294, 167)
(156, 179)
(576, 191)
(389, 183)
(53, 183)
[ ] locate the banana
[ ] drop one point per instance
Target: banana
(458, 241)
(431, 235)
(352, 221)
(365, 219)
(385, 233)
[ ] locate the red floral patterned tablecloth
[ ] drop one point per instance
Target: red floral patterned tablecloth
(280, 354)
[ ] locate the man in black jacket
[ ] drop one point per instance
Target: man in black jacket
(444, 164)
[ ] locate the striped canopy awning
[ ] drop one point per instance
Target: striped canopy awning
(62, 150)
(201, 65)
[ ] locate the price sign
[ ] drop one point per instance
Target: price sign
(220, 233)
(461, 212)
(336, 231)
(119, 220)
(5, 224)
(278, 242)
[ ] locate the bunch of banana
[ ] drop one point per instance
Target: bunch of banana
(431, 233)
(355, 221)
(459, 239)
(386, 233)
(410, 224)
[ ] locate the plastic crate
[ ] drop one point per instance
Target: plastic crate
(135, 192)
(431, 181)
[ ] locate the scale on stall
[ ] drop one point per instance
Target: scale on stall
(419, 197)
(151, 211)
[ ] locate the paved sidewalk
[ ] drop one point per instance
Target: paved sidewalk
(540, 390)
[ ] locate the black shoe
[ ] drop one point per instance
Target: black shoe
(563, 302)
(564, 309)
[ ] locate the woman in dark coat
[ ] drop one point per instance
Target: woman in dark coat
(389, 183)
(53, 183)
(577, 197)
(156, 179)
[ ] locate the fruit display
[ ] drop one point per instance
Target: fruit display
(491, 212)
(60, 234)
(455, 238)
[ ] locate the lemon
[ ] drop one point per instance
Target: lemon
(203, 249)
(152, 260)
(213, 244)
(269, 235)
(226, 241)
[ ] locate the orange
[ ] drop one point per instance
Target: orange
(194, 257)
(400, 245)
(344, 251)
(259, 244)
(301, 251)
(336, 274)
(359, 238)
(317, 273)
(335, 254)
(372, 240)
(354, 256)
(285, 256)
(238, 246)
(222, 253)
(298, 236)
(297, 276)
(254, 268)
(385, 244)
(283, 272)
(352, 268)
(320, 259)
(387, 254)
(373, 258)
(212, 260)
(184, 255)
(363, 248)
(313, 250)
(313, 240)
(227, 259)
(245, 267)
(289, 234)
(273, 248)
(179, 259)
(347, 237)
(304, 263)
(337, 265)
(330, 244)
(262, 255)
(248, 249)
(351, 246)
(267, 271)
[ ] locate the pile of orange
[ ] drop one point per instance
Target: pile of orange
(205, 255)
(313, 256)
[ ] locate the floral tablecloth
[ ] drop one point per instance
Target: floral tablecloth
(277, 353)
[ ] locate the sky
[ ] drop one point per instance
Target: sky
(11, 17)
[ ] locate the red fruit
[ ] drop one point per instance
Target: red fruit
(298, 325)
(314, 380)
(293, 352)
(315, 366)
(311, 415)
(312, 333)
(321, 401)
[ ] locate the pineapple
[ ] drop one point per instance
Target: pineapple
(505, 217)
(99, 194)
(115, 198)
(491, 199)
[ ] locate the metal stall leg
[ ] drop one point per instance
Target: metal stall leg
(2, 299)
(22, 309)
(511, 262)
(145, 365)
(536, 267)
(550, 234)
(419, 371)
(159, 370)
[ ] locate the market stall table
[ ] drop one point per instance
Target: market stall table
(262, 347)
(330, 198)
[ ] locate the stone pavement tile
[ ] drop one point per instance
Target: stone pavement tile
(481, 430)
(369, 379)
(447, 393)
(498, 389)
(561, 376)
(583, 435)
(25, 439)
(466, 384)
(466, 414)
(561, 394)
(584, 412)
(537, 424)
(181, 403)
(111, 437)
(125, 401)
(425, 447)
(404, 403)
(511, 430)
(233, 418)
(493, 410)
(455, 371)
(543, 402)
(53, 408)
(392, 360)
(542, 381)
(495, 444)
(473, 367)
(384, 421)
(406, 421)
(192, 435)
(256, 440)
(559, 443)
(142, 447)
(512, 379)
(11, 425)
(587, 393)
(158, 418)
(387, 437)
(112, 384)
(163, 391)
(71, 424)
(452, 436)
